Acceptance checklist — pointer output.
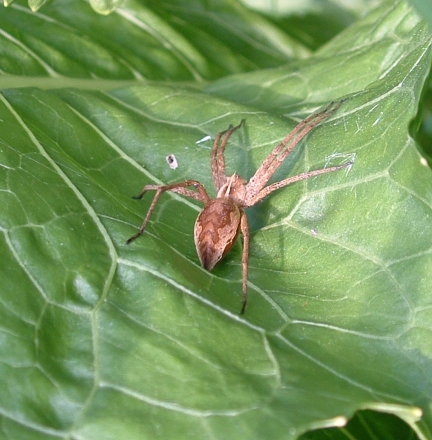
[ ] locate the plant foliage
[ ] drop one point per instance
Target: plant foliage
(100, 340)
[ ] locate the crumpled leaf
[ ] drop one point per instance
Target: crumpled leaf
(104, 340)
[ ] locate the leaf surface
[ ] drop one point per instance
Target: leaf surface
(104, 340)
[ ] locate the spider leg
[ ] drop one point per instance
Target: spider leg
(244, 226)
(303, 176)
(217, 158)
(179, 188)
(274, 160)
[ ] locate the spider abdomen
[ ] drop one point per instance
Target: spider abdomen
(216, 230)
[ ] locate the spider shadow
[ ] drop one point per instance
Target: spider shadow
(260, 215)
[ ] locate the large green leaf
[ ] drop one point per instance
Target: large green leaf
(102, 340)
(166, 40)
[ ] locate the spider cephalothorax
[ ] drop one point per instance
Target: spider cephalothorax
(222, 218)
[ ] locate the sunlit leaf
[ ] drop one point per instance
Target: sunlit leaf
(103, 340)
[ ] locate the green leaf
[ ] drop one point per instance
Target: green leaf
(423, 7)
(153, 40)
(366, 425)
(103, 340)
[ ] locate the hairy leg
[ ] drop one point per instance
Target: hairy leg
(275, 159)
(217, 159)
(303, 176)
(244, 226)
(179, 188)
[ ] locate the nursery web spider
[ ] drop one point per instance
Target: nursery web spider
(221, 219)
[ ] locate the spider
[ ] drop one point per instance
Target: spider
(222, 218)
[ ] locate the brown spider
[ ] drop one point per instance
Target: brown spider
(221, 219)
